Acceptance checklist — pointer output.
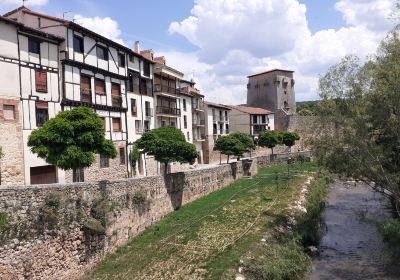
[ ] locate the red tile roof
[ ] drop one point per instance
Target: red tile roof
(251, 110)
(217, 105)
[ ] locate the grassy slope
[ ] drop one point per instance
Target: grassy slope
(205, 238)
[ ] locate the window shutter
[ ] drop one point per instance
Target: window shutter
(116, 124)
(41, 81)
(85, 84)
(100, 87)
(115, 90)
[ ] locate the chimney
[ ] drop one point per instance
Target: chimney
(149, 54)
(160, 60)
(136, 47)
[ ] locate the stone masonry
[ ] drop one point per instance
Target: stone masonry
(60, 231)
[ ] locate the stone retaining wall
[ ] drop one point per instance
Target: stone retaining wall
(61, 231)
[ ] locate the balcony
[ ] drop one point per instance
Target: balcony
(149, 113)
(198, 122)
(164, 88)
(86, 96)
(259, 128)
(168, 111)
(221, 118)
(116, 101)
(198, 138)
(198, 106)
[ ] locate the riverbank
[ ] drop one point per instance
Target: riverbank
(205, 239)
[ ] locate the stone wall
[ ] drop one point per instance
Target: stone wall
(12, 164)
(60, 231)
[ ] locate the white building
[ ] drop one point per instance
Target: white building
(251, 120)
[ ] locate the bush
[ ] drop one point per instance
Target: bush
(100, 208)
(391, 234)
(93, 227)
(279, 261)
(48, 212)
(140, 198)
(4, 221)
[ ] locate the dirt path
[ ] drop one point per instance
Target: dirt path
(352, 248)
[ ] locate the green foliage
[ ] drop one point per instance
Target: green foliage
(71, 139)
(306, 112)
(270, 139)
(391, 234)
(289, 138)
(140, 198)
(93, 226)
(49, 211)
(358, 135)
(307, 108)
(308, 224)
(4, 221)
(229, 146)
(99, 210)
(167, 144)
(1, 152)
(245, 139)
(280, 261)
(134, 155)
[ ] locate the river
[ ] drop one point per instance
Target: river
(351, 247)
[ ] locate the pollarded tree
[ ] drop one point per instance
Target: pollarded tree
(71, 140)
(167, 144)
(289, 138)
(229, 146)
(134, 156)
(270, 139)
(246, 141)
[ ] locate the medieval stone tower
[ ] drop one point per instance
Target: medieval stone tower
(272, 90)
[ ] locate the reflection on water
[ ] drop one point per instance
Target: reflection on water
(351, 247)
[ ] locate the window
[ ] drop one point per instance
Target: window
(227, 128)
(116, 95)
(102, 52)
(226, 115)
(146, 69)
(41, 81)
(173, 124)
(42, 113)
(263, 119)
(78, 175)
(9, 112)
(131, 58)
(33, 46)
(86, 89)
(133, 107)
(184, 122)
(104, 161)
(116, 122)
(100, 87)
(78, 44)
(184, 104)
(121, 60)
(147, 109)
(254, 118)
(146, 126)
(138, 127)
(122, 155)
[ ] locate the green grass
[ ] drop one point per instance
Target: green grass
(206, 238)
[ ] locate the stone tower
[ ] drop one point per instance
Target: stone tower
(272, 90)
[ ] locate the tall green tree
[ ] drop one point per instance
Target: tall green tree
(246, 140)
(229, 146)
(71, 140)
(359, 133)
(270, 139)
(167, 144)
(289, 138)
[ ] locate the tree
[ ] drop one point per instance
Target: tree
(229, 146)
(134, 156)
(270, 139)
(167, 144)
(247, 142)
(359, 134)
(289, 138)
(71, 140)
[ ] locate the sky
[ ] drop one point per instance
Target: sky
(219, 43)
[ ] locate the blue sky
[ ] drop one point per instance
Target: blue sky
(223, 41)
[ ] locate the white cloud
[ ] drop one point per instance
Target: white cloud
(106, 27)
(241, 37)
(27, 3)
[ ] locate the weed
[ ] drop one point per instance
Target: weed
(390, 231)
(93, 227)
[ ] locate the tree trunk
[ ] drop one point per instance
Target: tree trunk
(76, 175)
(220, 158)
(272, 151)
(227, 160)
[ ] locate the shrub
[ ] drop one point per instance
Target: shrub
(48, 212)
(100, 208)
(93, 227)
(4, 221)
(391, 234)
(140, 198)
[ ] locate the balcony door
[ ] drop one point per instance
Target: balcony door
(116, 95)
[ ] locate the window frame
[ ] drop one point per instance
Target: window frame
(42, 88)
(120, 124)
(134, 112)
(121, 60)
(105, 52)
(95, 86)
(13, 112)
(80, 48)
(40, 108)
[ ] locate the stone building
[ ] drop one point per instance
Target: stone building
(251, 120)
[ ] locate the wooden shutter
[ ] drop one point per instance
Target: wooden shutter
(115, 90)
(41, 81)
(85, 84)
(116, 124)
(100, 87)
(41, 105)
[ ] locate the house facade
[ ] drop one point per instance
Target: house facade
(251, 120)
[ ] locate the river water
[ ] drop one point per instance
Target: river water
(351, 247)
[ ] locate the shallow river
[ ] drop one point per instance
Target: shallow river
(351, 247)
